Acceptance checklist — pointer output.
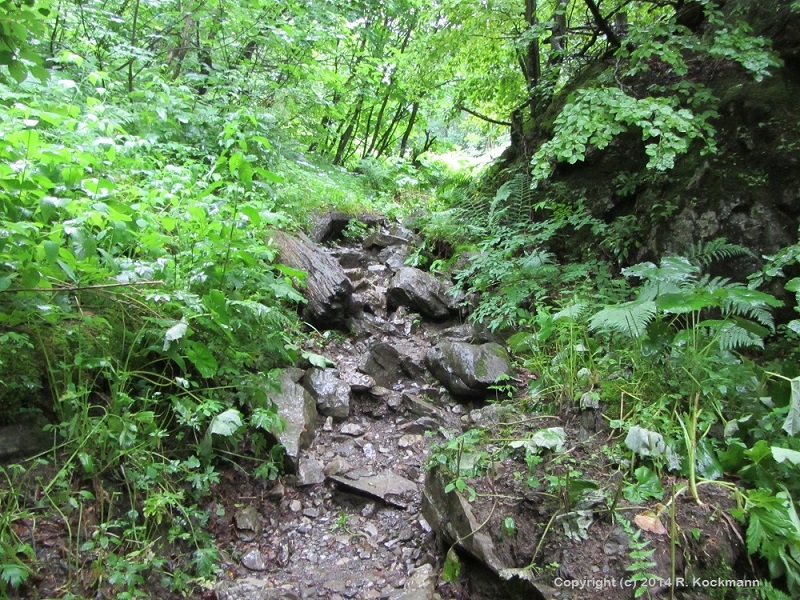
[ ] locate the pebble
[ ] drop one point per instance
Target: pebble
(311, 513)
(369, 451)
(295, 506)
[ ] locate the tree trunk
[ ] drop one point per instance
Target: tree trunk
(409, 127)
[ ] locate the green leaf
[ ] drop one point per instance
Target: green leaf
(17, 70)
(5, 283)
(175, 333)
(793, 285)
(202, 358)
(318, 360)
(452, 566)
(50, 250)
(226, 423)
(87, 463)
(234, 162)
(13, 574)
(792, 423)
(783, 454)
(647, 486)
(252, 214)
(706, 460)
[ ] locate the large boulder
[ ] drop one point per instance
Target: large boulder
(327, 288)
(419, 291)
(467, 370)
(299, 412)
(331, 393)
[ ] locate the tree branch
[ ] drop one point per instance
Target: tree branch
(603, 24)
(483, 117)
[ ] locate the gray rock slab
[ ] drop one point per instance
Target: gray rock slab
(248, 523)
(383, 364)
(299, 412)
(251, 588)
(387, 486)
(327, 289)
(254, 560)
(420, 586)
(309, 471)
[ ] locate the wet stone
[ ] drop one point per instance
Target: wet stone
(254, 561)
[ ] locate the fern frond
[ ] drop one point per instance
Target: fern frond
(755, 305)
(630, 318)
(512, 202)
(704, 253)
(672, 275)
(571, 312)
(731, 336)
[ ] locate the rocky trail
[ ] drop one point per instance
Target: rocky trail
(349, 521)
(359, 515)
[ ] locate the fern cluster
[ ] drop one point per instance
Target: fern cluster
(719, 311)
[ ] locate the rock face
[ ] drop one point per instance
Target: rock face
(467, 370)
(331, 393)
(419, 291)
(299, 411)
(328, 290)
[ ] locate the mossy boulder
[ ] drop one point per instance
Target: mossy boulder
(468, 370)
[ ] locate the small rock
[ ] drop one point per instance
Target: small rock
(369, 451)
(358, 382)
(353, 429)
(309, 472)
(276, 492)
(394, 403)
(331, 394)
(295, 506)
(254, 560)
(368, 511)
(248, 524)
(371, 530)
(382, 364)
(311, 512)
(379, 391)
(408, 440)
(421, 425)
(336, 466)
(421, 407)
(328, 426)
